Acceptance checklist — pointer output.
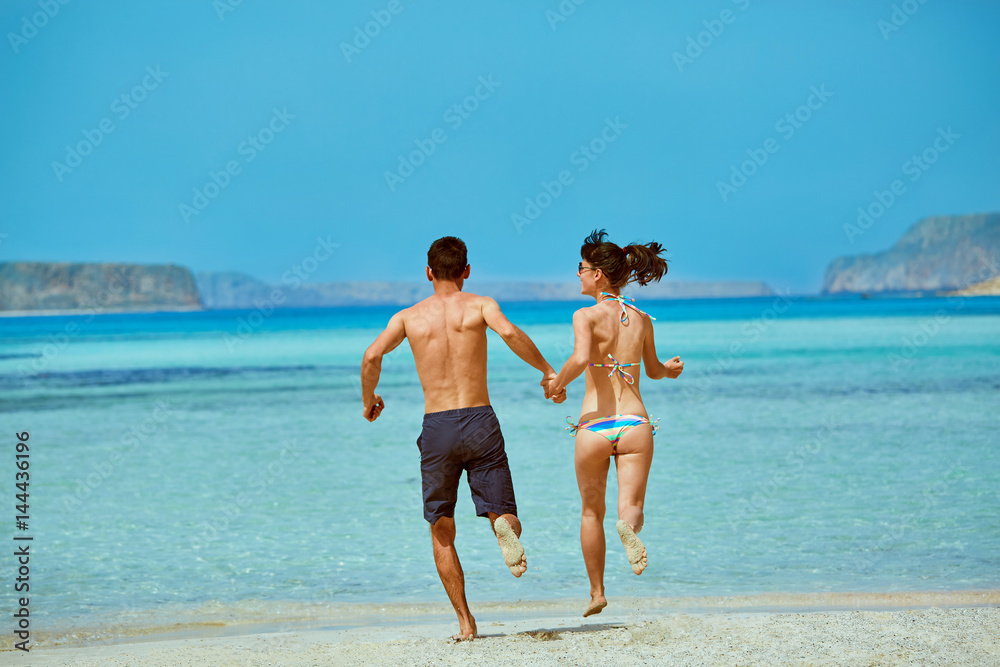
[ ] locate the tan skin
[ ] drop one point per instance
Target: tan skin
(598, 331)
(447, 334)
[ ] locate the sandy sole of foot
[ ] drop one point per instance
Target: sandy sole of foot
(634, 549)
(510, 547)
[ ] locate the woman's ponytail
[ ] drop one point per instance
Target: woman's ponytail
(633, 263)
(644, 262)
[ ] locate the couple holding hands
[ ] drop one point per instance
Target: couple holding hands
(447, 334)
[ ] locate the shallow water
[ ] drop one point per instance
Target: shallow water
(811, 445)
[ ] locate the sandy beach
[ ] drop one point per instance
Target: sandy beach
(824, 629)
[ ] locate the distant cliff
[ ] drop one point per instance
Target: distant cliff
(237, 290)
(939, 253)
(112, 287)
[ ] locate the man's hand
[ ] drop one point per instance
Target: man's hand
(674, 367)
(373, 407)
(546, 381)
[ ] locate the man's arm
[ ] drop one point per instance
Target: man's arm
(578, 361)
(371, 364)
(516, 340)
(655, 369)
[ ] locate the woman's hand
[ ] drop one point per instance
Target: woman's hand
(557, 398)
(674, 367)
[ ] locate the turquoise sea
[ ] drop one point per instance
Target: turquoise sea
(221, 457)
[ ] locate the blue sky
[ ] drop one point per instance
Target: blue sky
(619, 100)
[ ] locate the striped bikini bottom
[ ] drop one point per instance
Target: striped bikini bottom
(612, 428)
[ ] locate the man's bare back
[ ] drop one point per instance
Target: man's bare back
(447, 334)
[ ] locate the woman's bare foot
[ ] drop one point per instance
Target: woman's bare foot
(634, 550)
(597, 603)
(510, 547)
(466, 633)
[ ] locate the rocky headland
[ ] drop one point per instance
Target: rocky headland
(936, 254)
(61, 286)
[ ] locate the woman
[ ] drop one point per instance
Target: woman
(611, 336)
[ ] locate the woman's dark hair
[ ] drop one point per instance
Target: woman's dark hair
(447, 258)
(633, 263)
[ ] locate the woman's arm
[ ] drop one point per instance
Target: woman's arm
(577, 362)
(655, 369)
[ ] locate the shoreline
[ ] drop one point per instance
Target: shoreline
(853, 628)
(258, 617)
(73, 312)
(838, 296)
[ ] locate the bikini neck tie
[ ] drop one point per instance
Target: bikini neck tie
(621, 301)
(620, 369)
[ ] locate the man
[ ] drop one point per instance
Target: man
(447, 333)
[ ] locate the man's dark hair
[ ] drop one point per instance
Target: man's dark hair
(447, 258)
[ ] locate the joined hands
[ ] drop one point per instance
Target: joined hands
(547, 382)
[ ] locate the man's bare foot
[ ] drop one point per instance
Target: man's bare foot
(597, 603)
(466, 633)
(634, 550)
(510, 547)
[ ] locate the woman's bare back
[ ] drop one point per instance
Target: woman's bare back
(608, 390)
